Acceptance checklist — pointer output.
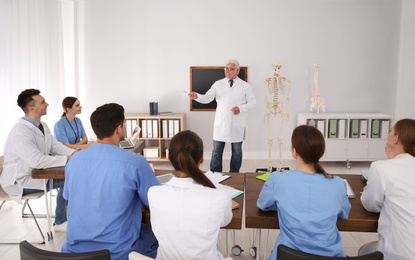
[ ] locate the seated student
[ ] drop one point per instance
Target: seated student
(390, 190)
(30, 145)
(69, 129)
(188, 211)
(308, 200)
(106, 186)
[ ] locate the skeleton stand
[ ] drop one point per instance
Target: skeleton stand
(275, 86)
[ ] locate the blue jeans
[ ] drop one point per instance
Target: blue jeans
(217, 153)
(60, 211)
(147, 243)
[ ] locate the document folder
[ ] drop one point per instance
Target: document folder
(363, 128)
(354, 128)
(375, 128)
(311, 122)
(385, 129)
(333, 128)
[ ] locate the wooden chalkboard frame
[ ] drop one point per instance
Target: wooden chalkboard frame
(202, 78)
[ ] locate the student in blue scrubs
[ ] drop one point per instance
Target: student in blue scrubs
(106, 187)
(69, 129)
(309, 201)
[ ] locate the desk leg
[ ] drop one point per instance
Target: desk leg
(45, 181)
(227, 244)
(259, 244)
(50, 207)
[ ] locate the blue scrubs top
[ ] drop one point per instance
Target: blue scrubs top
(67, 132)
(106, 186)
(308, 208)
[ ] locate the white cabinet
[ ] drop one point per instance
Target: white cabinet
(351, 136)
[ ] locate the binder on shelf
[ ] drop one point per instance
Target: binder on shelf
(133, 124)
(128, 127)
(176, 126)
(320, 126)
(332, 133)
(164, 128)
(342, 129)
(171, 128)
(363, 129)
(375, 129)
(311, 122)
(144, 128)
(354, 128)
(149, 128)
(155, 129)
(384, 129)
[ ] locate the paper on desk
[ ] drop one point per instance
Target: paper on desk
(350, 192)
(233, 193)
(216, 177)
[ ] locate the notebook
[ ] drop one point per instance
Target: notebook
(130, 143)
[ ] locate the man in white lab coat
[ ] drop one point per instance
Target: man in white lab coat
(234, 98)
(30, 145)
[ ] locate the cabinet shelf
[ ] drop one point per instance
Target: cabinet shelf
(161, 128)
(351, 136)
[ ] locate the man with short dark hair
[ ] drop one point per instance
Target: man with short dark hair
(30, 145)
(106, 186)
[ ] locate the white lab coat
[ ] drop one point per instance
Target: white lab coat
(186, 218)
(227, 126)
(390, 190)
(27, 149)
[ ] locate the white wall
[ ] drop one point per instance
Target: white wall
(405, 105)
(135, 51)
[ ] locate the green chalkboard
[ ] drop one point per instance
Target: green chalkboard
(202, 78)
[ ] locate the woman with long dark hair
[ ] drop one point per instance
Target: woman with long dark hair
(188, 211)
(309, 200)
(69, 129)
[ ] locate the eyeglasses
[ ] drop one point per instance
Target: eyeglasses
(229, 69)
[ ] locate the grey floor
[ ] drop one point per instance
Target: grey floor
(16, 228)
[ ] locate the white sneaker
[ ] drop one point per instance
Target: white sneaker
(60, 227)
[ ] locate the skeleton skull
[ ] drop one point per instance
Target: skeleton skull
(276, 65)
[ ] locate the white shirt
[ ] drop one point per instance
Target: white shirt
(186, 218)
(390, 190)
(27, 149)
(227, 126)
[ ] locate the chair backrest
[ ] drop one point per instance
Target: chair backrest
(30, 252)
(287, 253)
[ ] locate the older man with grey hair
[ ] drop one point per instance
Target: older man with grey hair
(234, 98)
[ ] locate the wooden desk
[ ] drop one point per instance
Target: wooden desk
(359, 219)
(59, 172)
(236, 181)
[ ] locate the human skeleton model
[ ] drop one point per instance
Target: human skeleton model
(275, 86)
(316, 101)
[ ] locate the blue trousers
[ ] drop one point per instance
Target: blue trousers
(147, 243)
(217, 154)
(60, 211)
